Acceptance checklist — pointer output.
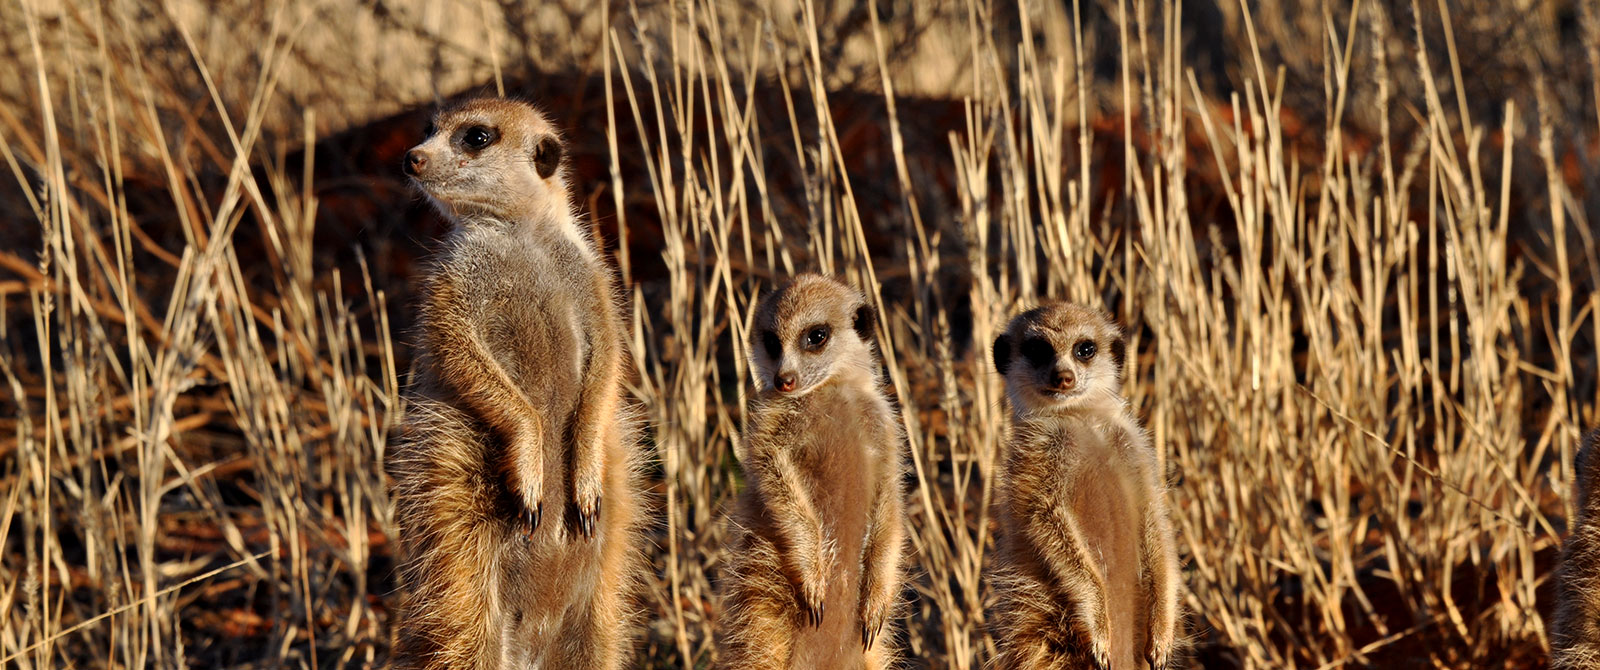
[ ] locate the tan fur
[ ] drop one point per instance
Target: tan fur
(516, 475)
(1086, 573)
(815, 563)
(1575, 627)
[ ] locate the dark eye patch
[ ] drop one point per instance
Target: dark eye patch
(1038, 352)
(478, 138)
(774, 346)
(1084, 350)
(429, 129)
(816, 337)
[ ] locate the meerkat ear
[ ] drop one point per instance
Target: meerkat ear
(866, 322)
(1119, 354)
(547, 156)
(1002, 353)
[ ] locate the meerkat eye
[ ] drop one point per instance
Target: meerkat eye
(773, 345)
(1038, 352)
(477, 137)
(1084, 350)
(816, 337)
(429, 130)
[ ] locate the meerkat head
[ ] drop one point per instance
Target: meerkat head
(809, 331)
(492, 158)
(1060, 356)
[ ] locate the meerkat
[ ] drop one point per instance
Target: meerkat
(515, 479)
(815, 559)
(1086, 574)
(1575, 628)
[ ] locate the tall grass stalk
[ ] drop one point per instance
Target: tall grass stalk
(1363, 355)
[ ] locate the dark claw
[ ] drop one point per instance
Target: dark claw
(868, 637)
(589, 523)
(531, 518)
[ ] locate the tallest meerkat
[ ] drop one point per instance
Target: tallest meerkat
(514, 485)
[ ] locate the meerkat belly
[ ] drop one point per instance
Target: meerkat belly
(1107, 504)
(535, 322)
(844, 485)
(542, 584)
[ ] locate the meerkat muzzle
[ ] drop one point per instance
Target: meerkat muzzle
(784, 382)
(416, 160)
(1064, 380)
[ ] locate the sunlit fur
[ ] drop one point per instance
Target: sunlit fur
(1086, 574)
(815, 557)
(1575, 628)
(516, 476)
(790, 312)
(500, 184)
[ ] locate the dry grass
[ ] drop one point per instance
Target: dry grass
(1352, 245)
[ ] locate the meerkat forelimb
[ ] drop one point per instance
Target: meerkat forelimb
(515, 411)
(880, 584)
(797, 527)
(1085, 535)
(464, 364)
(597, 405)
(818, 533)
(1575, 626)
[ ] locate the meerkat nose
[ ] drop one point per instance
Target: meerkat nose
(784, 382)
(1064, 380)
(416, 159)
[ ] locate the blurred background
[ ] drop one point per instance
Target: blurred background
(1350, 240)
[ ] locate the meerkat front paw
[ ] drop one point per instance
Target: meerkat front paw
(530, 520)
(587, 486)
(1099, 631)
(875, 606)
(1161, 640)
(1102, 657)
(588, 516)
(871, 627)
(811, 603)
(1157, 657)
(527, 478)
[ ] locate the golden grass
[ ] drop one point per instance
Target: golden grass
(1359, 282)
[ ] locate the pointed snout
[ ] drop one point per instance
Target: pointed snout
(416, 160)
(1063, 379)
(783, 381)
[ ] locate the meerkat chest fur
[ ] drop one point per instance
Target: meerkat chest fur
(532, 297)
(1085, 462)
(836, 435)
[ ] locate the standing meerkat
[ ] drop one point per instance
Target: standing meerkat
(515, 483)
(814, 569)
(1575, 628)
(1086, 574)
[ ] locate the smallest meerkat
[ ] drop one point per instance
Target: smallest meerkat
(1575, 628)
(1086, 574)
(814, 569)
